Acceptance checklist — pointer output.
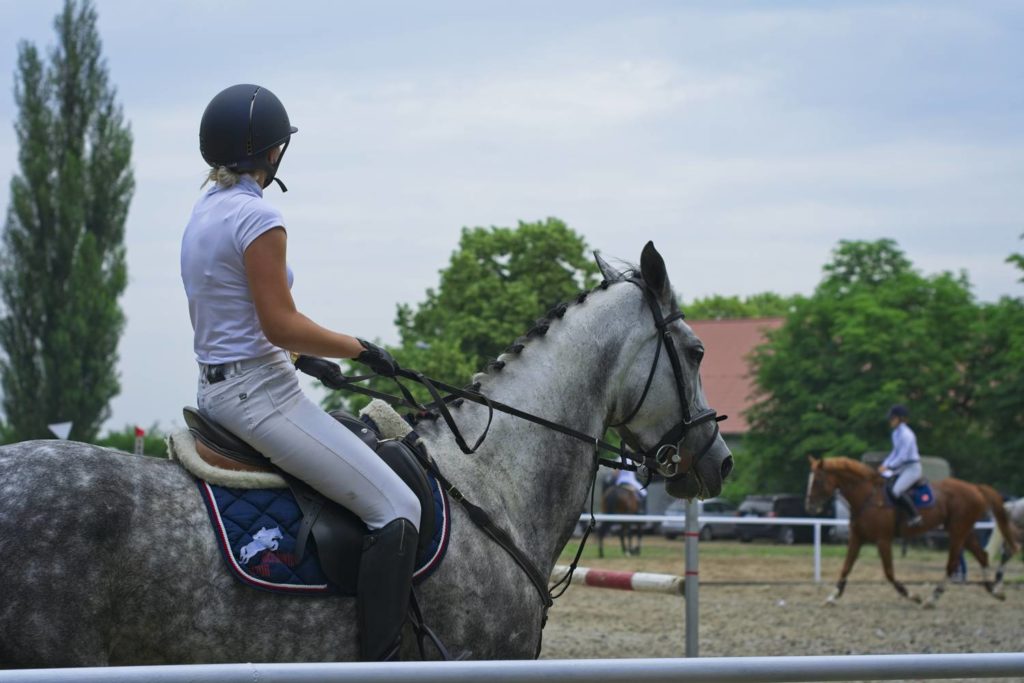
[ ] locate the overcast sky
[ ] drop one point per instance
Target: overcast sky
(745, 139)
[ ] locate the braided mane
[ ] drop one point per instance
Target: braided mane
(539, 329)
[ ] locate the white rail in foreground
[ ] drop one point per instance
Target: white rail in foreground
(715, 670)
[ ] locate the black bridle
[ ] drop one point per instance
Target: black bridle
(667, 456)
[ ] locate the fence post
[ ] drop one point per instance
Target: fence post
(692, 584)
(817, 552)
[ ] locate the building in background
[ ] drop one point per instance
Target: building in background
(728, 383)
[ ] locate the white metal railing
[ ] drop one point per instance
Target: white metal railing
(713, 669)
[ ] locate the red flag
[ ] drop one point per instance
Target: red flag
(140, 432)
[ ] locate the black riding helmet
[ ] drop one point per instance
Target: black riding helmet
(900, 411)
(240, 125)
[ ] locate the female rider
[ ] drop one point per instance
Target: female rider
(903, 463)
(233, 265)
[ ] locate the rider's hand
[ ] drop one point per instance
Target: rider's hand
(377, 359)
(324, 370)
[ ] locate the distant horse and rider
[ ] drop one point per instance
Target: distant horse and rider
(623, 495)
(883, 506)
(958, 506)
(877, 517)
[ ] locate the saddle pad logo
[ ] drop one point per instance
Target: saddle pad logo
(264, 539)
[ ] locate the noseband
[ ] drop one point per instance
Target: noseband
(667, 456)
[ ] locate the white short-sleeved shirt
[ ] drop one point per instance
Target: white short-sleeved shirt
(224, 222)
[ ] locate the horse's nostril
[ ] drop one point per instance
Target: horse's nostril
(726, 467)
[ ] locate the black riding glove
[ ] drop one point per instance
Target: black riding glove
(377, 359)
(322, 369)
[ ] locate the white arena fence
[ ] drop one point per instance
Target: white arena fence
(712, 669)
(816, 522)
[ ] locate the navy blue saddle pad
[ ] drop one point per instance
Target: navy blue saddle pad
(921, 493)
(256, 531)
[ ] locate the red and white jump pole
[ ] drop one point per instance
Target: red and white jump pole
(642, 582)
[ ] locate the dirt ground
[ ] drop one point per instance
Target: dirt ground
(787, 618)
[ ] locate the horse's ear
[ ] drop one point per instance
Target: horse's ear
(607, 272)
(814, 461)
(652, 267)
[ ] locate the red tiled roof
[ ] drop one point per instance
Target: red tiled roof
(725, 371)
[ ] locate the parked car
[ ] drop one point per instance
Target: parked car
(708, 530)
(774, 505)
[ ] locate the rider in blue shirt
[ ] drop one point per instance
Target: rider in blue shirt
(903, 463)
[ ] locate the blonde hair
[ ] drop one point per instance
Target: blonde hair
(223, 177)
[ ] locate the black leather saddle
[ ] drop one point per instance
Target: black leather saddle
(338, 532)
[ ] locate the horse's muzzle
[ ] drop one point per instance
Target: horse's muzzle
(707, 475)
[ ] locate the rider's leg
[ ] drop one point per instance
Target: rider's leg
(907, 478)
(267, 408)
(913, 516)
(385, 584)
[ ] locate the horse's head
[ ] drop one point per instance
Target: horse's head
(820, 486)
(660, 410)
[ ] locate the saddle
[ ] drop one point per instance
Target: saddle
(337, 531)
(921, 493)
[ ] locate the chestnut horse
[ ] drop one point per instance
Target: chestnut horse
(620, 499)
(873, 519)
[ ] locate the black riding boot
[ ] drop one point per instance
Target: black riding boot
(913, 518)
(382, 594)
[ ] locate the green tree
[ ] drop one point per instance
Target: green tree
(719, 307)
(998, 371)
(62, 268)
(497, 283)
(875, 332)
(1017, 260)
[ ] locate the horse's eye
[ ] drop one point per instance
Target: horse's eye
(696, 354)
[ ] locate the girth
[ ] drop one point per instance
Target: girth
(338, 531)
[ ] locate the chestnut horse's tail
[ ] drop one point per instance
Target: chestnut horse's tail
(995, 502)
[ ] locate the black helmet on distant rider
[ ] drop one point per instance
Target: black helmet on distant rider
(899, 411)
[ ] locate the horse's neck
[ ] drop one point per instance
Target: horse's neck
(533, 479)
(855, 488)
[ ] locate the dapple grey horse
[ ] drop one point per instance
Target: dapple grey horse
(107, 559)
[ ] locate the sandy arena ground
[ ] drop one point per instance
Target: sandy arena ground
(787, 618)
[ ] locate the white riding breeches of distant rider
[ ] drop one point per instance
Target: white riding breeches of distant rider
(906, 477)
(628, 478)
(264, 406)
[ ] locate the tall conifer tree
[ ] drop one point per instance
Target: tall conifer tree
(62, 267)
